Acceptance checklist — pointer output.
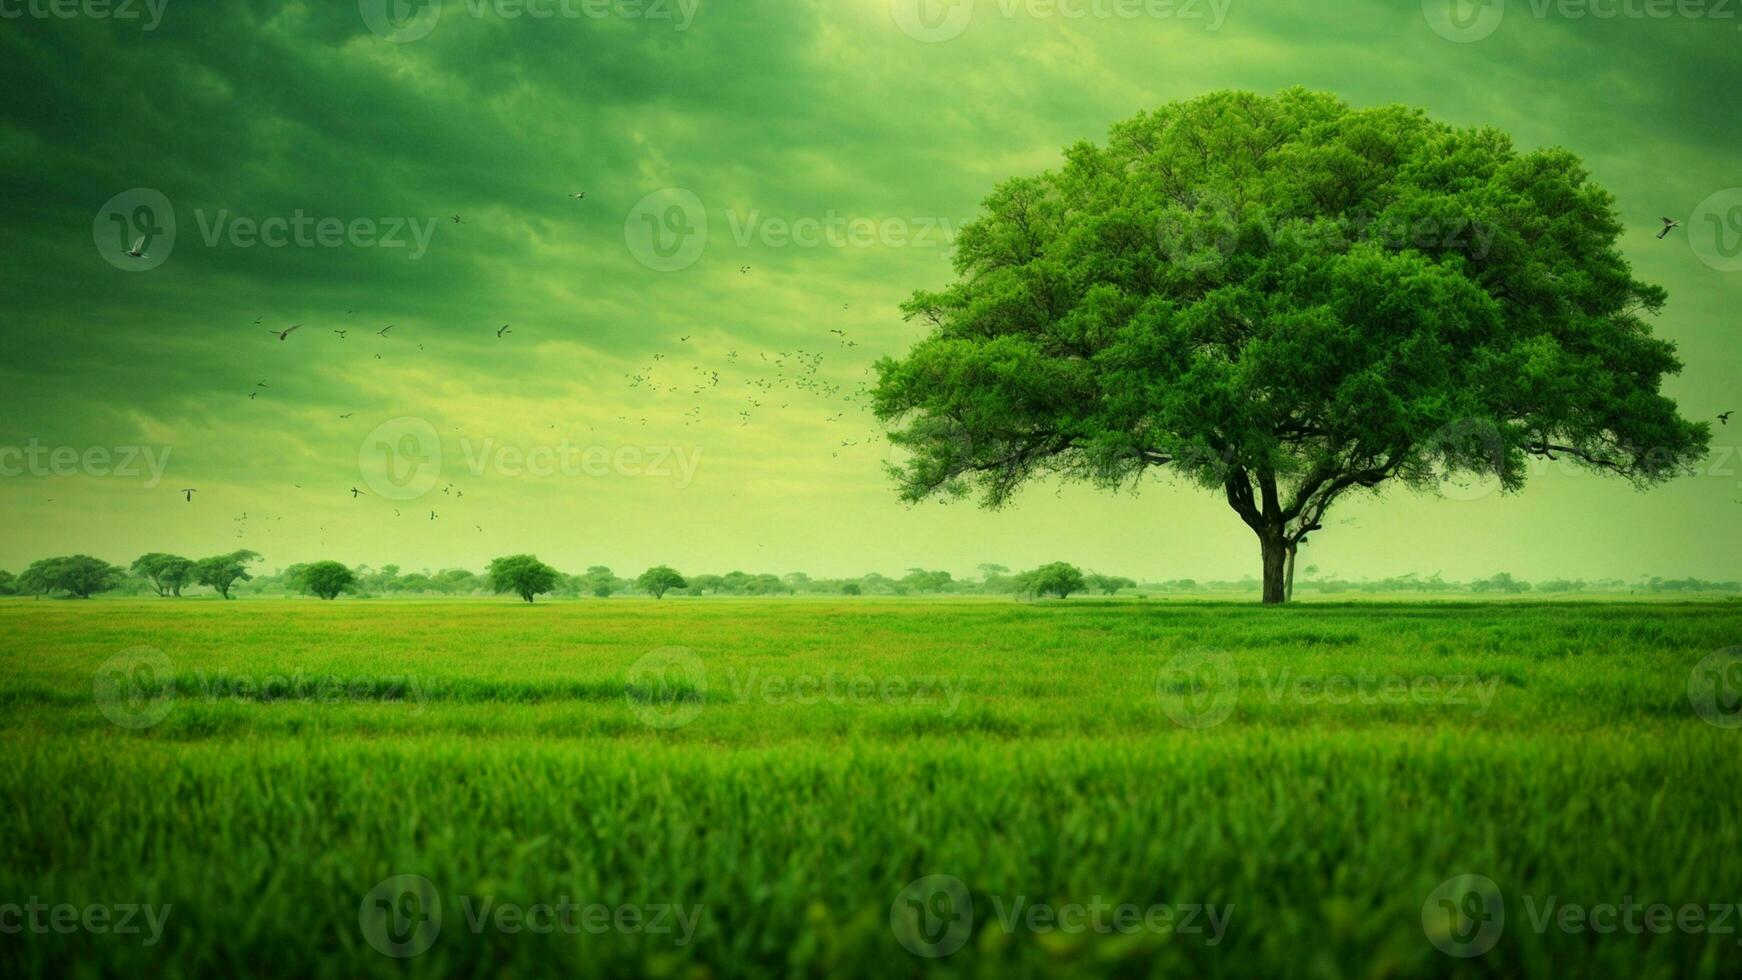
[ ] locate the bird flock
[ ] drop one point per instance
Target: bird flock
(769, 382)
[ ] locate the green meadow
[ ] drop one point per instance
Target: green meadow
(881, 788)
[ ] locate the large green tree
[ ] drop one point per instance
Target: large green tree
(325, 579)
(166, 573)
(223, 571)
(523, 575)
(1288, 301)
(659, 580)
(79, 576)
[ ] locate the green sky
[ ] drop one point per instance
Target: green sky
(879, 125)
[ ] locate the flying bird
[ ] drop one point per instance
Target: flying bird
(457, 220)
(432, 515)
(253, 395)
(383, 331)
(138, 249)
(355, 493)
(743, 268)
(189, 491)
(341, 333)
(1724, 419)
(281, 334)
(347, 415)
(503, 330)
(579, 196)
(1669, 225)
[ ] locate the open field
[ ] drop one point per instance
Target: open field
(748, 787)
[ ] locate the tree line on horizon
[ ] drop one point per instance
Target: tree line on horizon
(229, 574)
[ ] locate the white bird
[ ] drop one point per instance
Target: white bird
(138, 249)
(1669, 225)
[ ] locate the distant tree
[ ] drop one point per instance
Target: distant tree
(326, 579)
(8, 583)
(920, 580)
(766, 584)
(166, 573)
(1057, 578)
(523, 575)
(223, 571)
(79, 576)
(851, 588)
(1287, 301)
(1561, 585)
(1503, 582)
(458, 581)
(660, 579)
(704, 583)
(599, 582)
(1109, 584)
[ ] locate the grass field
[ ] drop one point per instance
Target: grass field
(727, 788)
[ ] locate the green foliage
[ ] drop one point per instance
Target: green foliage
(1057, 578)
(166, 573)
(79, 576)
(1109, 584)
(660, 579)
(1503, 583)
(1288, 301)
(523, 575)
(599, 582)
(851, 588)
(223, 571)
(326, 579)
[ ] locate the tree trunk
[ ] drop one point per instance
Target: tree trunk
(1288, 576)
(1275, 554)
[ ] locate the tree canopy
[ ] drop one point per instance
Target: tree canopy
(1288, 301)
(325, 579)
(79, 576)
(166, 573)
(222, 571)
(523, 575)
(1055, 578)
(660, 579)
